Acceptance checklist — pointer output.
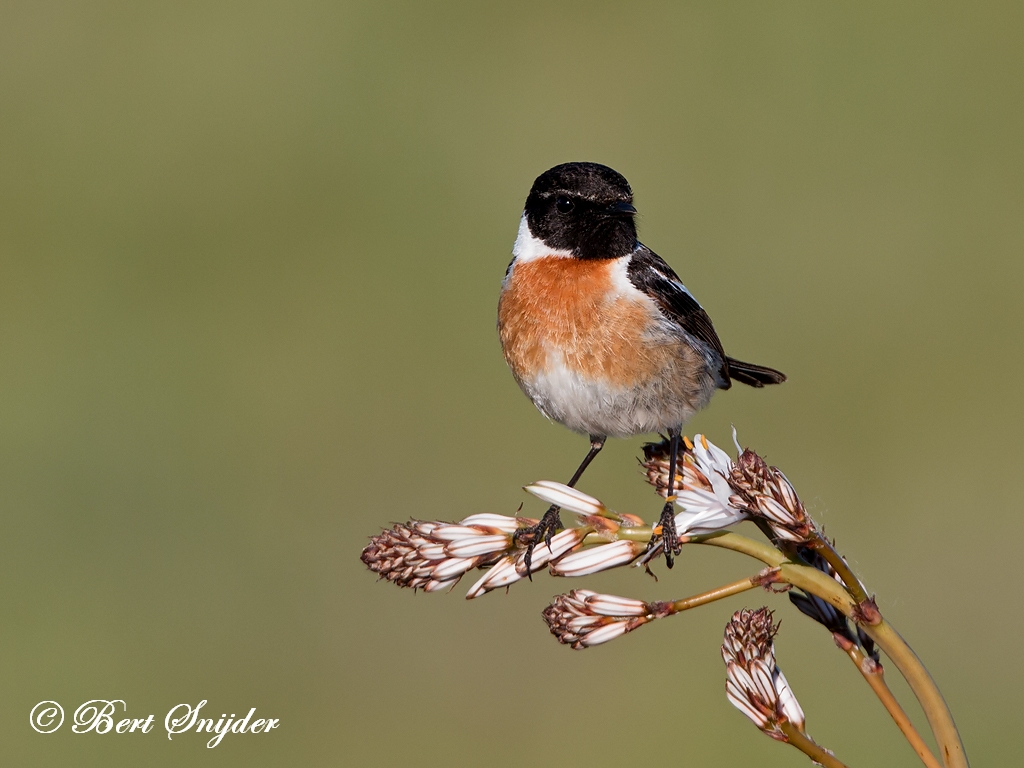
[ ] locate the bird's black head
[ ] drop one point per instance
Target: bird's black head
(584, 208)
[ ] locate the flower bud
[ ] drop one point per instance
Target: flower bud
(583, 618)
(754, 683)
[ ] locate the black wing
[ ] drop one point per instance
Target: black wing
(650, 274)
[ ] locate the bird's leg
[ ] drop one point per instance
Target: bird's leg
(552, 521)
(669, 540)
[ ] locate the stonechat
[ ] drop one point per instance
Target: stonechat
(598, 330)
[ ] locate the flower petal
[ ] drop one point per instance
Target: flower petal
(487, 520)
(604, 634)
(478, 546)
(708, 520)
(562, 542)
(569, 499)
(613, 605)
(599, 558)
(787, 701)
(456, 532)
(501, 574)
(452, 567)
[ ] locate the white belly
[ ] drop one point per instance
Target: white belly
(596, 407)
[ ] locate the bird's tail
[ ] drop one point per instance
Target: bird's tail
(753, 375)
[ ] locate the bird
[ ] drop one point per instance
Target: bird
(600, 333)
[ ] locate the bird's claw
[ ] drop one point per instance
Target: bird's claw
(670, 543)
(548, 526)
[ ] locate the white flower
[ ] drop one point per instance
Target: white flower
(706, 511)
(701, 486)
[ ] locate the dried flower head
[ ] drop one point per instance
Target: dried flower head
(754, 683)
(583, 618)
(765, 492)
(656, 466)
(432, 556)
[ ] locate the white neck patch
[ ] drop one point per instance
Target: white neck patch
(528, 247)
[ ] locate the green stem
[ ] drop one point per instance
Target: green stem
(803, 742)
(873, 674)
(766, 553)
(951, 748)
(678, 606)
(853, 585)
(641, 533)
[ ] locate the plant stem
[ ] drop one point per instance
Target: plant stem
(766, 553)
(853, 585)
(804, 743)
(678, 606)
(951, 748)
(642, 533)
(874, 675)
(802, 576)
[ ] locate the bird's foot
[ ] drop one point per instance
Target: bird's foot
(548, 526)
(670, 543)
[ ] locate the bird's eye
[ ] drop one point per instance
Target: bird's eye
(564, 204)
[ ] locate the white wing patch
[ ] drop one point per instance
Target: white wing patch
(674, 283)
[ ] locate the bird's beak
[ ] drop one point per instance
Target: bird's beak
(621, 209)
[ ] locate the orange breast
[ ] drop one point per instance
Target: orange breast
(576, 314)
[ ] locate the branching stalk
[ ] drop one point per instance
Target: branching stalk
(874, 675)
(951, 748)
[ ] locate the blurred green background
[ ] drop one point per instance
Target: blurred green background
(251, 254)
